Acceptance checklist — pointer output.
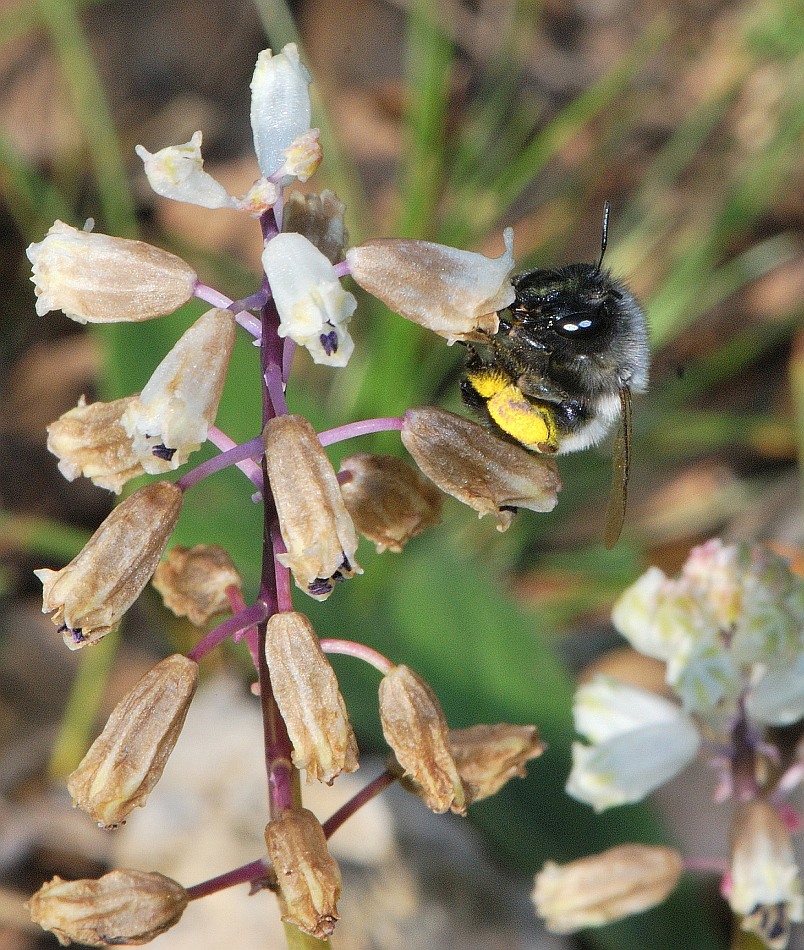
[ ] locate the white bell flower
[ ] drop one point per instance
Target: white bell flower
(280, 107)
(178, 404)
(177, 172)
(765, 886)
(313, 307)
(639, 741)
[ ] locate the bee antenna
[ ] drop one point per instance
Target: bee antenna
(605, 237)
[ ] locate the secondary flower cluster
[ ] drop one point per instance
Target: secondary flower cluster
(312, 514)
(730, 630)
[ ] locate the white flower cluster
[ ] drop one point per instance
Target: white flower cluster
(730, 631)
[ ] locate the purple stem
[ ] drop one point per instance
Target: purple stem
(707, 865)
(342, 269)
(374, 787)
(288, 349)
(276, 390)
(255, 870)
(354, 429)
(234, 625)
(283, 596)
(360, 651)
(210, 295)
(233, 454)
(282, 777)
(242, 875)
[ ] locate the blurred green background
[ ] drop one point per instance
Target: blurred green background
(445, 122)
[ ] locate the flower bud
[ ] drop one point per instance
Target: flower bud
(90, 440)
(314, 309)
(306, 691)
(122, 907)
(605, 887)
(127, 759)
(389, 501)
(177, 172)
(414, 727)
(469, 463)
(318, 533)
(765, 887)
(454, 293)
(320, 218)
(91, 594)
(95, 278)
(488, 756)
(280, 106)
(174, 411)
(307, 876)
(193, 581)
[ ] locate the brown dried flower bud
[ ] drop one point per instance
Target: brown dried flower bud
(454, 293)
(193, 581)
(95, 278)
(127, 759)
(765, 880)
(318, 533)
(389, 501)
(307, 876)
(306, 691)
(488, 756)
(605, 887)
(122, 907)
(414, 727)
(320, 218)
(477, 468)
(91, 594)
(90, 440)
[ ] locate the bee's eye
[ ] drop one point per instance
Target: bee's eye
(573, 326)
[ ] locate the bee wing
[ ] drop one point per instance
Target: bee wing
(621, 461)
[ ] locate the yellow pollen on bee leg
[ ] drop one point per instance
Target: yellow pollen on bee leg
(487, 382)
(529, 423)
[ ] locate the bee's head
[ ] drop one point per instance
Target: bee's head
(586, 319)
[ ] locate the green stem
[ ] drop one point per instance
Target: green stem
(80, 714)
(92, 109)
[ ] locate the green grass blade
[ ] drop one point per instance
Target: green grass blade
(93, 113)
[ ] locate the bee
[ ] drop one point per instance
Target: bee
(559, 372)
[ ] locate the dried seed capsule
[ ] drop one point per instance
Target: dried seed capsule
(95, 278)
(454, 293)
(316, 528)
(469, 463)
(122, 907)
(389, 501)
(414, 727)
(320, 218)
(193, 581)
(488, 756)
(605, 887)
(765, 880)
(307, 876)
(91, 594)
(90, 440)
(127, 759)
(306, 691)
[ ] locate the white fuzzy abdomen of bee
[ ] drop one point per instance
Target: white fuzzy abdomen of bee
(607, 410)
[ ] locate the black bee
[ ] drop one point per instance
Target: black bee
(560, 370)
